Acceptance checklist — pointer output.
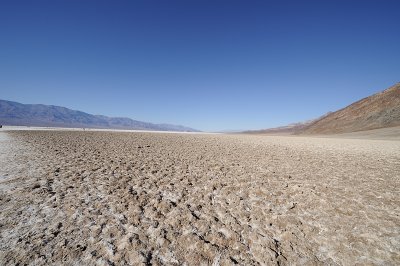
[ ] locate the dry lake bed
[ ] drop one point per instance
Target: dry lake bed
(129, 198)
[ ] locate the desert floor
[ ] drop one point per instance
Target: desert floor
(112, 198)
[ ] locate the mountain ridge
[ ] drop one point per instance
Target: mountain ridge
(19, 114)
(380, 110)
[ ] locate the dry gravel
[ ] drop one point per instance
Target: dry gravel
(109, 198)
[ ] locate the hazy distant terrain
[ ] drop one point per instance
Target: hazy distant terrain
(17, 114)
(381, 110)
(288, 129)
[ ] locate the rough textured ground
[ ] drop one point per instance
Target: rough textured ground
(142, 198)
(388, 133)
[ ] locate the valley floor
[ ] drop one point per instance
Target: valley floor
(129, 198)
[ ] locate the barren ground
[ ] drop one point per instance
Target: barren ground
(109, 198)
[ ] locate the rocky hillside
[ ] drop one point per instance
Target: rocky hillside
(380, 110)
(17, 114)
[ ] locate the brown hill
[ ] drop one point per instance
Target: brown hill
(380, 110)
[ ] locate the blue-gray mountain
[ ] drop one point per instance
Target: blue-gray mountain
(17, 114)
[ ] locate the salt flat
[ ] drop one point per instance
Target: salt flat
(130, 198)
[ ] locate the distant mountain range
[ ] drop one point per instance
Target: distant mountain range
(381, 110)
(17, 114)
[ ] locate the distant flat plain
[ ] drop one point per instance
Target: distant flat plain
(131, 198)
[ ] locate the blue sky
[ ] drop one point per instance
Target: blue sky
(211, 65)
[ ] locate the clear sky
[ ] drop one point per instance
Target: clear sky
(211, 65)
